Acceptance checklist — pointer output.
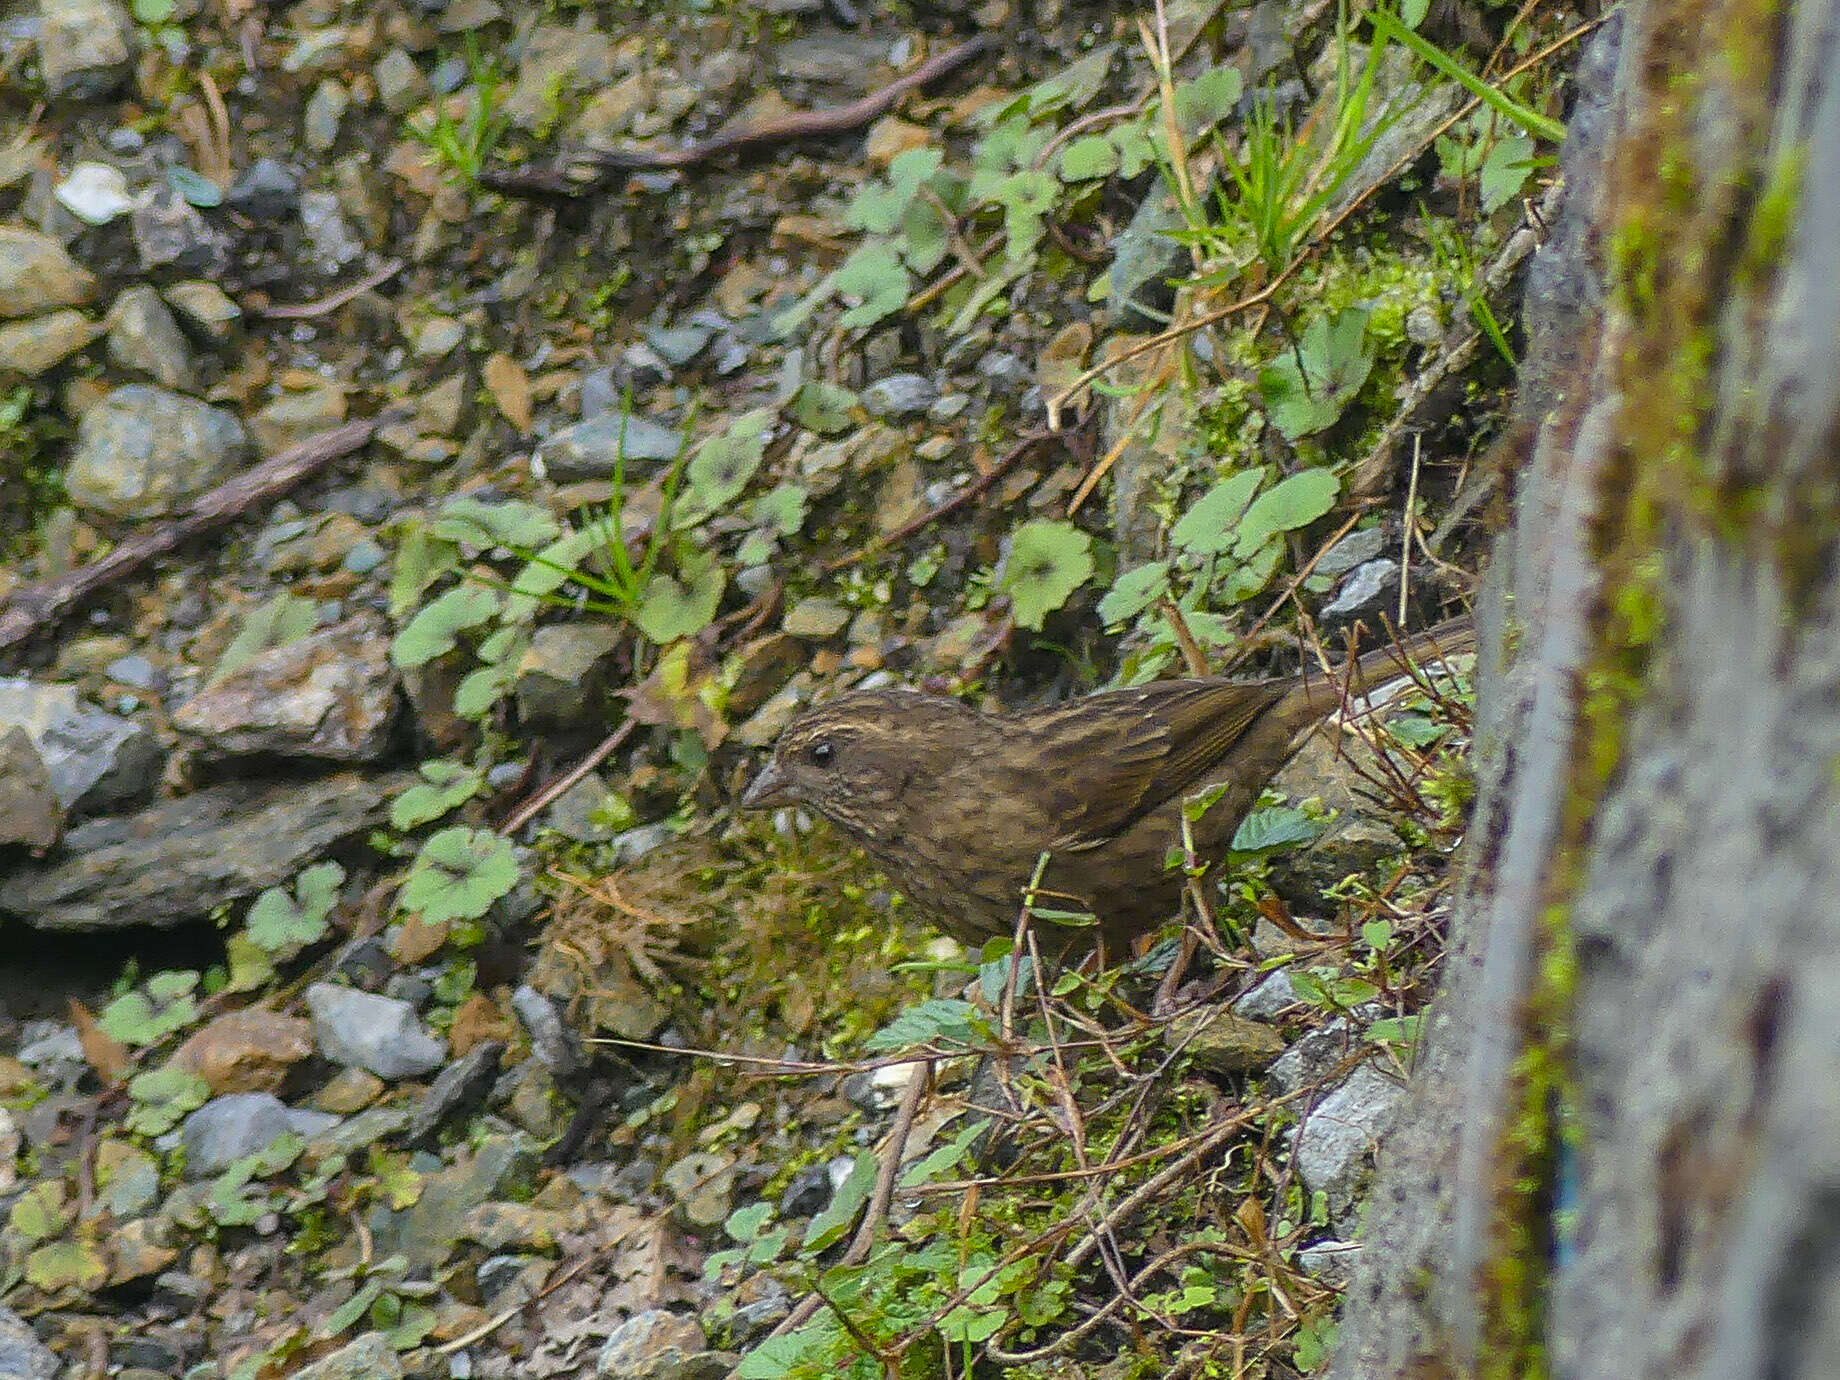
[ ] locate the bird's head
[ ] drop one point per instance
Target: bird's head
(852, 760)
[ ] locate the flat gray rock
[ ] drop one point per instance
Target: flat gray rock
(95, 760)
(145, 452)
(369, 1031)
(179, 860)
(330, 695)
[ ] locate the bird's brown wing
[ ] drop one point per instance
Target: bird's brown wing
(1114, 757)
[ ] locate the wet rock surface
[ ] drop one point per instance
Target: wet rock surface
(175, 861)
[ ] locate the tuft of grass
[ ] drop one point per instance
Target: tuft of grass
(465, 144)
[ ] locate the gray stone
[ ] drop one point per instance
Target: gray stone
(205, 309)
(12, 1145)
(845, 61)
(331, 695)
(530, 1098)
(413, 988)
(809, 1193)
(1422, 108)
(1369, 589)
(170, 232)
(600, 393)
(96, 761)
(144, 337)
(1357, 548)
(400, 83)
(553, 1042)
(499, 1272)
(1314, 1055)
(562, 678)
(334, 242)
(658, 1345)
(373, 1032)
(949, 407)
(900, 396)
(324, 114)
(763, 727)
(95, 193)
(30, 811)
(501, 1168)
(364, 557)
(1274, 994)
(317, 49)
(38, 343)
(134, 669)
(1220, 1041)
(37, 275)
(22, 1355)
(815, 619)
(144, 452)
(354, 1133)
(371, 1357)
(1333, 1144)
(463, 16)
(639, 841)
(515, 1226)
(438, 336)
(179, 860)
(51, 1048)
(457, 1089)
(558, 61)
(267, 192)
(678, 345)
(1424, 326)
(1331, 1261)
(703, 1183)
(584, 811)
(1007, 370)
(85, 48)
(591, 449)
(643, 367)
(1145, 256)
(295, 415)
(227, 1128)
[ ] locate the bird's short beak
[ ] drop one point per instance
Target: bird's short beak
(769, 788)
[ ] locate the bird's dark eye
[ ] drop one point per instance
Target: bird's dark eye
(821, 752)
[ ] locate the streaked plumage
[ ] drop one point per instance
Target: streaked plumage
(957, 805)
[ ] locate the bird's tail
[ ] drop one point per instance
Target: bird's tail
(1325, 690)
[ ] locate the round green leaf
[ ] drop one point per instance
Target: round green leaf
(675, 608)
(824, 407)
(459, 873)
(1265, 831)
(446, 785)
(723, 465)
(284, 924)
(1047, 561)
(1309, 387)
(147, 1017)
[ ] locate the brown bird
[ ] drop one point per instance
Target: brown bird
(958, 806)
